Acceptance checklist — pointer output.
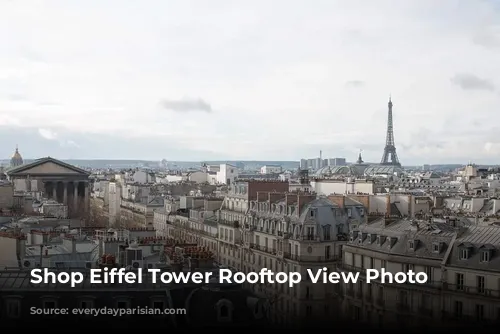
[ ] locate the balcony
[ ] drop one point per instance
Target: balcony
(472, 290)
(230, 223)
(404, 307)
(265, 249)
(425, 311)
(311, 258)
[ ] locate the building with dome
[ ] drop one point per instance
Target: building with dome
(354, 179)
(358, 170)
(17, 159)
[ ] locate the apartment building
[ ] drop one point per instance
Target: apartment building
(461, 263)
(471, 287)
(287, 232)
(261, 225)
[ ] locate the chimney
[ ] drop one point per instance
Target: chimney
(262, 196)
(410, 206)
(274, 197)
(388, 205)
(303, 199)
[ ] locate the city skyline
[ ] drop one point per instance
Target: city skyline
(249, 81)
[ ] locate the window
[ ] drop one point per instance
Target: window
(86, 308)
(310, 233)
(356, 313)
(326, 232)
(49, 308)
(407, 267)
(464, 254)
(480, 284)
(411, 244)
(479, 312)
(224, 310)
(403, 298)
(13, 308)
(435, 247)
(428, 272)
(459, 281)
(308, 310)
(458, 309)
(312, 213)
(122, 308)
(327, 252)
(485, 256)
(158, 305)
(426, 302)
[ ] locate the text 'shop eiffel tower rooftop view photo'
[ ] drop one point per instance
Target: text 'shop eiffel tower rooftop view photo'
(195, 165)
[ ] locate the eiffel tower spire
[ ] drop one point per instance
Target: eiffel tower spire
(390, 157)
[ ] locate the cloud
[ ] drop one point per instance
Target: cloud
(472, 82)
(186, 105)
(47, 134)
(488, 37)
(271, 82)
(17, 97)
(355, 83)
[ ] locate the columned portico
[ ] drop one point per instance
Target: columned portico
(58, 181)
(74, 194)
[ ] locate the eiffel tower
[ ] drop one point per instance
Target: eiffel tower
(390, 157)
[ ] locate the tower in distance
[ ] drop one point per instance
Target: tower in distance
(390, 157)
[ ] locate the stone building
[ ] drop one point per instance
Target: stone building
(461, 263)
(57, 180)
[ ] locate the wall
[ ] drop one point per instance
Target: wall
(6, 196)
(9, 247)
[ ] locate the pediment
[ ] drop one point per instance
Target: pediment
(47, 167)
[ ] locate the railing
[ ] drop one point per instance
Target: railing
(231, 223)
(403, 306)
(473, 290)
(194, 230)
(350, 268)
(311, 258)
(425, 311)
(266, 249)
(431, 284)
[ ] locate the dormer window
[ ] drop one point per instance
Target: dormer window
(369, 238)
(485, 256)
(411, 244)
(312, 213)
(436, 247)
(464, 254)
(486, 252)
(464, 250)
(392, 241)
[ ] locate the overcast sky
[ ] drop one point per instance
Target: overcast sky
(250, 79)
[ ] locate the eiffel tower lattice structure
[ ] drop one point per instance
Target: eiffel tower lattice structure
(390, 157)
